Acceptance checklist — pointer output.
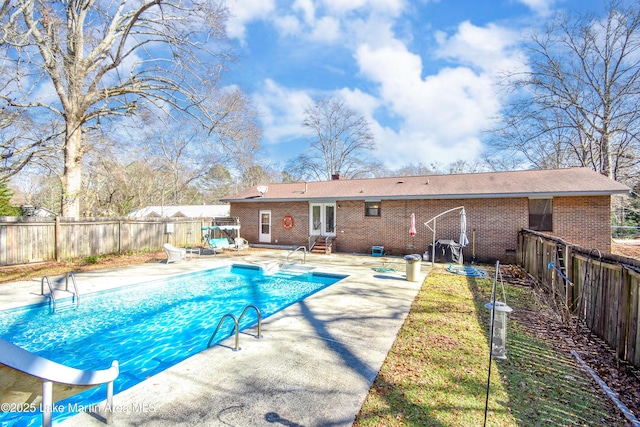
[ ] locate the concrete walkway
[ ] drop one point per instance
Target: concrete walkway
(313, 367)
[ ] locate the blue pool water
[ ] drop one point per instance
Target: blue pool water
(150, 326)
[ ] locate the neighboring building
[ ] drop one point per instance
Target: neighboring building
(38, 211)
(573, 204)
(187, 211)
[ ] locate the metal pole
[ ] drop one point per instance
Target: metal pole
(47, 403)
(473, 247)
(109, 405)
(433, 244)
(493, 313)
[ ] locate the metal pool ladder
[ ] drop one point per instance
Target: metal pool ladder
(236, 327)
(76, 295)
(304, 250)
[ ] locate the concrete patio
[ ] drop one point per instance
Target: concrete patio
(313, 367)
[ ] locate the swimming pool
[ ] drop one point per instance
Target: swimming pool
(151, 326)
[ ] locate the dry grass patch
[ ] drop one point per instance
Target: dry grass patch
(436, 371)
(14, 273)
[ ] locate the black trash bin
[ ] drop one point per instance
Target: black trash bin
(446, 251)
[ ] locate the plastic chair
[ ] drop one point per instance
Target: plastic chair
(174, 254)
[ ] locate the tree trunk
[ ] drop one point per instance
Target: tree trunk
(605, 156)
(72, 178)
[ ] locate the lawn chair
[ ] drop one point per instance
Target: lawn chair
(174, 254)
(241, 243)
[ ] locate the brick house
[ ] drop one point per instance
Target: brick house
(573, 204)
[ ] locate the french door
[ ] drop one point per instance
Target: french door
(323, 219)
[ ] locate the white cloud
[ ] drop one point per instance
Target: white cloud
(404, 148)
(326, 29)
(281, 111)
(360, 102)
(489, 48)
(441, 114)
(541, 7)
(245, 11)
(287, 25)
(374, 30)
(376, 6)
(417, 115)
(307, 8)
(331, 21)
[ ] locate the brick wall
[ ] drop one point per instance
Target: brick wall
(581, 220)
(249, 214)
(496, 221)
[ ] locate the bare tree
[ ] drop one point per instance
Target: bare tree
(217, 183)
(339, 141)
(73, 63)
(579, 105)
(179, 167)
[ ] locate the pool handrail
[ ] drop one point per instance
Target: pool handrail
(304, 250)
(48, 371)
(52, 295)
(235, 327)
(257, 313)
(75, 287)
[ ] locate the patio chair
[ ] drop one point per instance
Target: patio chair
(241, 243)
(174, 254)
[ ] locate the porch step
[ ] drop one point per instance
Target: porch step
(321, 247)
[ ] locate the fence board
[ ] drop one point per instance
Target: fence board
(633, 331)
(622, 325)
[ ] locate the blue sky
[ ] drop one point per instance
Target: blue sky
(422, 72)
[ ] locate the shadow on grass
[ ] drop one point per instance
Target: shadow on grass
(436, 372)
(430, 376)
(545, 386)
(399, 405)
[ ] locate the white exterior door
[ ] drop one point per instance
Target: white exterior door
(264, 234)
(323, 219)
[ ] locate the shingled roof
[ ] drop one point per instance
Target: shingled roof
(529, 183)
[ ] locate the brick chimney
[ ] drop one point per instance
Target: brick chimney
(336, 176)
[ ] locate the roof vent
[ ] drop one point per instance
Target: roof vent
(400, 182)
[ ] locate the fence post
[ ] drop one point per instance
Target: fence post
(622, 328)
(57, 234)
(569, 291)
(120, 236)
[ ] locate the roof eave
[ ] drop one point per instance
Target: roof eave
(433, 196)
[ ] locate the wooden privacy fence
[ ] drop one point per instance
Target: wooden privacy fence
(600, 290)
(27, 239)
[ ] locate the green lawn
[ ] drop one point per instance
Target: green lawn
(436, 372)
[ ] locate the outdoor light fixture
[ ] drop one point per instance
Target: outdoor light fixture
(499, 312)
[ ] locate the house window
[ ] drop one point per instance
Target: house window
(371, 208)
(541, 214)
